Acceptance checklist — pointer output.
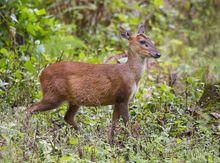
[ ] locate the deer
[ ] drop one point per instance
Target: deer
(87, 84)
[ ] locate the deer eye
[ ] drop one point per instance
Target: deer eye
(142, 42)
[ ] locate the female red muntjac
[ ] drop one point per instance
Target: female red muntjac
(85, 84)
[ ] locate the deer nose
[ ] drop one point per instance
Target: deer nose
(157, 55)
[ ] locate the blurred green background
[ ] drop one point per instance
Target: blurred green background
(175, 115)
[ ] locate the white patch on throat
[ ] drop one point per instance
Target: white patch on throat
(134, 90)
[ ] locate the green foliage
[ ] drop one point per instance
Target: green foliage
(21, 28)
(168, 125)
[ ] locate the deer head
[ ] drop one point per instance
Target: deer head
(140, 43)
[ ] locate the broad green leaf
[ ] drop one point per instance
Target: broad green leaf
(123, 17)
(66, 159)
(163, 87)
(178, 140)
(41, 12)
(30, 29)
(73, 141)
(3, 51)
(18, 74)
(82, 55)
(158, 3)
(29, 66)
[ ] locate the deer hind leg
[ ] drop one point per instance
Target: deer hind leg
(70, 114)
(44, 105)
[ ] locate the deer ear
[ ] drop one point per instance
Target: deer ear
(125, 34)
(141, 29)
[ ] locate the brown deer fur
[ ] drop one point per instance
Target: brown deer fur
(96, 84)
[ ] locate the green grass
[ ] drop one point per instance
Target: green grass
(167, 123)
(157, 135)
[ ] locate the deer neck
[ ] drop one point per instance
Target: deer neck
(136, 64)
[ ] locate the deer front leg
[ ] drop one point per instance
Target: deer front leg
(115, 118)
(120, 109)
(125, 114)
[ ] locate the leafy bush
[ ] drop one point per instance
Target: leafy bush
(168, 122)
(22, 29)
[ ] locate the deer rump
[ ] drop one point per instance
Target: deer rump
(84, 84)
